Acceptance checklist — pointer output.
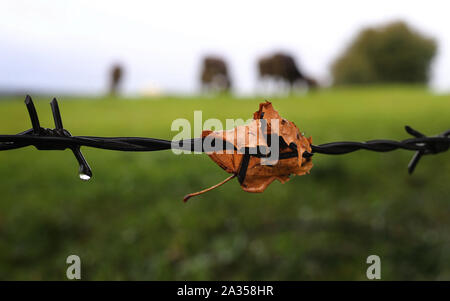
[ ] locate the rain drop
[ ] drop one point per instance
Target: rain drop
(84, 177)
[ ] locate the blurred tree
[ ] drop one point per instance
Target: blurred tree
(116, 75)
(391, 53)
(215, 76)
(281, 66)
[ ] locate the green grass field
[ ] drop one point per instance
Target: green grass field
(129, 221)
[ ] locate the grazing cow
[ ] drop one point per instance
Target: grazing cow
(215, 75)
(116, 75)
(282, 67)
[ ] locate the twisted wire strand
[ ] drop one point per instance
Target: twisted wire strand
(60, 139)
(140, 144)
(345, 147)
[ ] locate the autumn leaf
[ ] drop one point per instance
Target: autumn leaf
(253, 173)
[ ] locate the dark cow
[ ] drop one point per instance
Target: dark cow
(282, 67)
(215, 76)
(116, 75)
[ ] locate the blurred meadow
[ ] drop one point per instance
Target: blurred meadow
(129, 222)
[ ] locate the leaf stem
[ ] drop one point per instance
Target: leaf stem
(187, 197)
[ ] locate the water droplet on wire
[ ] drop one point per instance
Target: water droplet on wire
(84, 177)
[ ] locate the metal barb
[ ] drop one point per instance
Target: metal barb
(85, 171)
(433, 147)
(39, 134)
(33, 115)
(56, 114)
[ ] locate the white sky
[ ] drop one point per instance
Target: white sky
(69, 45)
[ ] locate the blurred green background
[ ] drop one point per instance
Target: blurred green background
(129, 221)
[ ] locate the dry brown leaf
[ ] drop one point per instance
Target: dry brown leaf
(259, 176)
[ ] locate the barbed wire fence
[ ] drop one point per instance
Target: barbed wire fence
(60, 139)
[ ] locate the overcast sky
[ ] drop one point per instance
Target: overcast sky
(69, 45)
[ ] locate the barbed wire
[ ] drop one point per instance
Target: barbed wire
(61, 139)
